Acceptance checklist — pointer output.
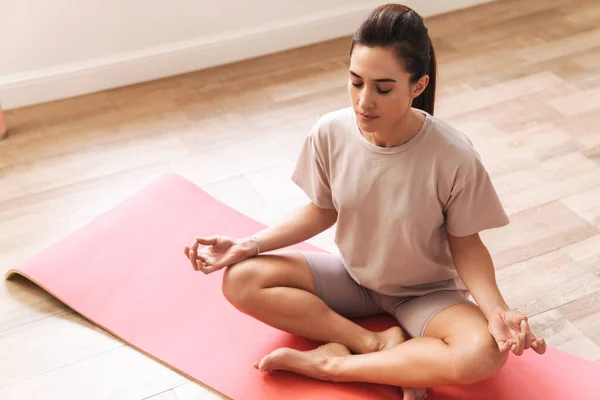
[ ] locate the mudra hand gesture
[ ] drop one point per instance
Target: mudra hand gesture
(512, 332)
(218, 252)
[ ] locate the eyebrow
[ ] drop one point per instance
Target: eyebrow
(376, 80)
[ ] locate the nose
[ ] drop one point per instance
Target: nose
(365, 100)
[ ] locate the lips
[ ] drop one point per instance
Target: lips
(367, 117)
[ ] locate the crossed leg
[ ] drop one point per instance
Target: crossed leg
(280, 291)
(456, 349)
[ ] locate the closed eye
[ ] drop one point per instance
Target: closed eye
(359, 85)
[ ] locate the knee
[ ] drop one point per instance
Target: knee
(241, 281)
(478, 359)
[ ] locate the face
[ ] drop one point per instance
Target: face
(380, 88)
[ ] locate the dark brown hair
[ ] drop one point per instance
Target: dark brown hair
(402, 29)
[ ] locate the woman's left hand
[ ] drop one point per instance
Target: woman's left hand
(512, 332)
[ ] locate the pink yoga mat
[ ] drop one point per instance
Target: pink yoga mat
(126, 272)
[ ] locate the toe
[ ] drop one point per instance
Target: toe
(415, 393)
(409, 394)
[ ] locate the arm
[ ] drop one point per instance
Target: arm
(306, 222)
(476, 269)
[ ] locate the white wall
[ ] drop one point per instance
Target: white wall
(62, 48)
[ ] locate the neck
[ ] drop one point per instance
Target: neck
(400, 132)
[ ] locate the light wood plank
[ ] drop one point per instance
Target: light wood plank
(577, 103)
(34, 349)
(546, 282)
(237, 192)
(536, 231)
(122, 373)
(524, 149)
(488, 96)
(547, 181)
(564, 46)
(168, 395)
(564, 335)
(587, 254)
(584, 130)
(22, 302)
(586, 205)
(584, 313)
(193, 391)
(35, 177)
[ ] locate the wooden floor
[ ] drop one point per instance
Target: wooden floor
(523, 83)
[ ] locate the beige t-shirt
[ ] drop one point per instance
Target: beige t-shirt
(396, 205)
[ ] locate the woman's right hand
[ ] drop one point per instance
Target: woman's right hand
(218, 252)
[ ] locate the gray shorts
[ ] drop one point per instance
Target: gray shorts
(346, 297)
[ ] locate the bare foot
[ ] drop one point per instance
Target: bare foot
(308, 363)
(391, 338)
(414, 394)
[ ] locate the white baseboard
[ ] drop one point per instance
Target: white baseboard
(76, 79)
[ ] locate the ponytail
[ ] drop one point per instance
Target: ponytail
(426, 100)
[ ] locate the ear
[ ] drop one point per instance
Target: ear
(420, 86)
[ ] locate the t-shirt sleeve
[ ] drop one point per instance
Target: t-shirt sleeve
(473, 205)
(311, 173)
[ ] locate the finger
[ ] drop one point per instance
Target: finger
(206, 241)
(520, 345)
(529, 340)
(207, 263)
(195, 247)
(504, 346)
(207, 269)
(525, 326)
(193, 260)
(187, 251)
(200, 266)
(204, 258)
(529, 337)
(539, 346)
(518, 319)
(509, 344)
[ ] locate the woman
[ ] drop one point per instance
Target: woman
(409, 195)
